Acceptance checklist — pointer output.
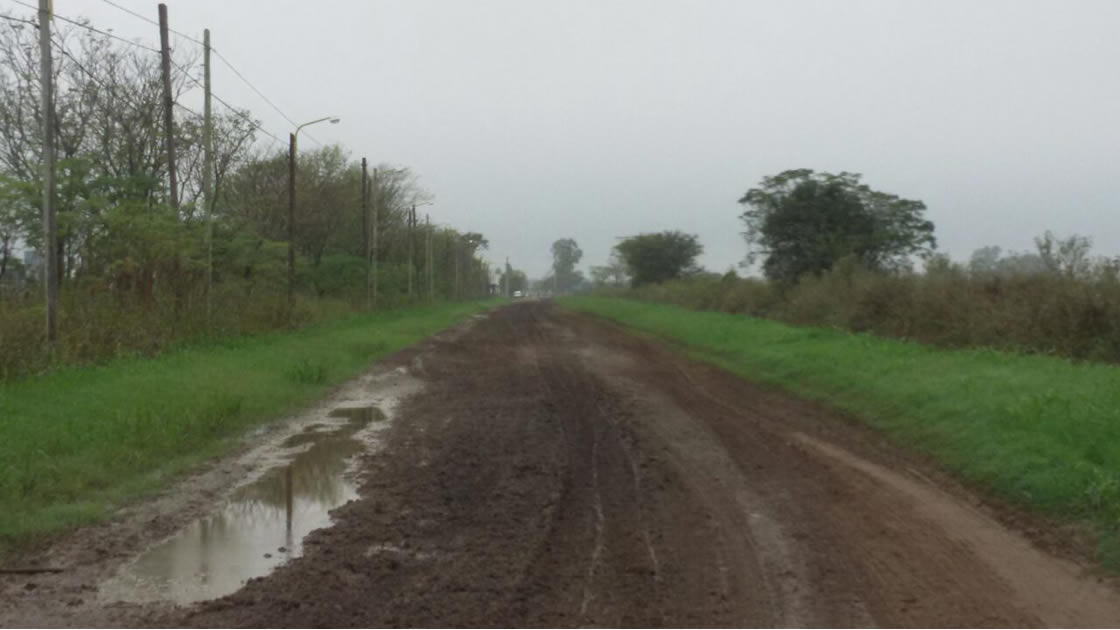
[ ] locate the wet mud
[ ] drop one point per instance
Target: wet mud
(260, 527)
(548, 469)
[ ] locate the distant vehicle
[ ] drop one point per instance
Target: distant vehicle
(517, 294)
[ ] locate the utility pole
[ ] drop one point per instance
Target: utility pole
(50, 231)
(456, 254)
(291, 223)
(411, 225)
(365, 228)
(509, 272)
(168, 104)
(208, 171)
(373, 239)
(428, 260)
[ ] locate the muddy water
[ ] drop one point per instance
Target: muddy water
(260, 527)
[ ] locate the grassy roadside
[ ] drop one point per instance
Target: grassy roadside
(1043, 432)
(77, 441)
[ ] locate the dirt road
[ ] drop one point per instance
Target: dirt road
(556, 471)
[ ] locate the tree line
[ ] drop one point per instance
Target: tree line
(134, 263)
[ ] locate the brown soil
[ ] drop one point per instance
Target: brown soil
(556, 471)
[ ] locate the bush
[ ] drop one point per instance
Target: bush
(1055, 312)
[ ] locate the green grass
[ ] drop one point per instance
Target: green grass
(76, 442)
(1042, 432)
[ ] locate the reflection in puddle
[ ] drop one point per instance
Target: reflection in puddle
(361, 415)
(261, 527)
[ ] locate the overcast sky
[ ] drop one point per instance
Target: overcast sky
(534, 120)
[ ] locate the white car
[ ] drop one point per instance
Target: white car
(517, 294)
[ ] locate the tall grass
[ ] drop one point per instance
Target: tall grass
(1043, 432)
(1052, 313)
(79, 440)
(97, 324)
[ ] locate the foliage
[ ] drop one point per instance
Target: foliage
(612, 274)
(135, 265)
(1001, 421)
(121, 429)
(566, 254)
(802, 222)
(1068, 307)
(659, 256)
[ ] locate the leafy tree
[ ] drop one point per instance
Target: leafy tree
(613, 274)
(1067, 256)
(566, 254)
(659, 256)
(803, 222)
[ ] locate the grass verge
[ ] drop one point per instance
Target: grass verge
(78, 441)
(1042, 432)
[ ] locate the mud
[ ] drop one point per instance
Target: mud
(260, 527)
(550, 470)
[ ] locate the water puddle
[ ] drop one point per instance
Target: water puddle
(360, 415)
(261, 526)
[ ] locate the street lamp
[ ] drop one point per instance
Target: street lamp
(292, 208)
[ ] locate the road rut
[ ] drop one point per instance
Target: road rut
(556, 471)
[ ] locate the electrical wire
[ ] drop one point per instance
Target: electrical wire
(291, 122)
(90, 28)
(151, 21)
(241, 114)
(231, 108)
(66, 53)
(15, 19)
(225, 61)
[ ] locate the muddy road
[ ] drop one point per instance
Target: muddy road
(548, 469)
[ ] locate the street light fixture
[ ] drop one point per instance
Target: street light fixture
(334, 120)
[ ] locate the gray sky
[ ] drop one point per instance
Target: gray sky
(534, 120)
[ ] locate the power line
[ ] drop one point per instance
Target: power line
(89, 28)
(231, 108)
(150, 21)
(227, 62)
(66, 53)
(291, 122)
(15, 19)
(187, 74)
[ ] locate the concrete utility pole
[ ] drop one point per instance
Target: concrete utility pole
(428, 260)
(291, 223)
(168, 105)
(50, 231)
(208, 171)
(292, 208)
(373, 238)
(411, 225)
(365, 228)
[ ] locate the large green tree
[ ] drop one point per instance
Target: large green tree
(802, 222)
(566, 254)
(660, 256)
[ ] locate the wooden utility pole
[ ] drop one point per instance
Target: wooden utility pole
(208, 171)
(291, 223)
(365, 229)
(50, 229)
(168, 105)
(373, 237)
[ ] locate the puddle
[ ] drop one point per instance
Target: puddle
(261, 526)
(360, 415)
